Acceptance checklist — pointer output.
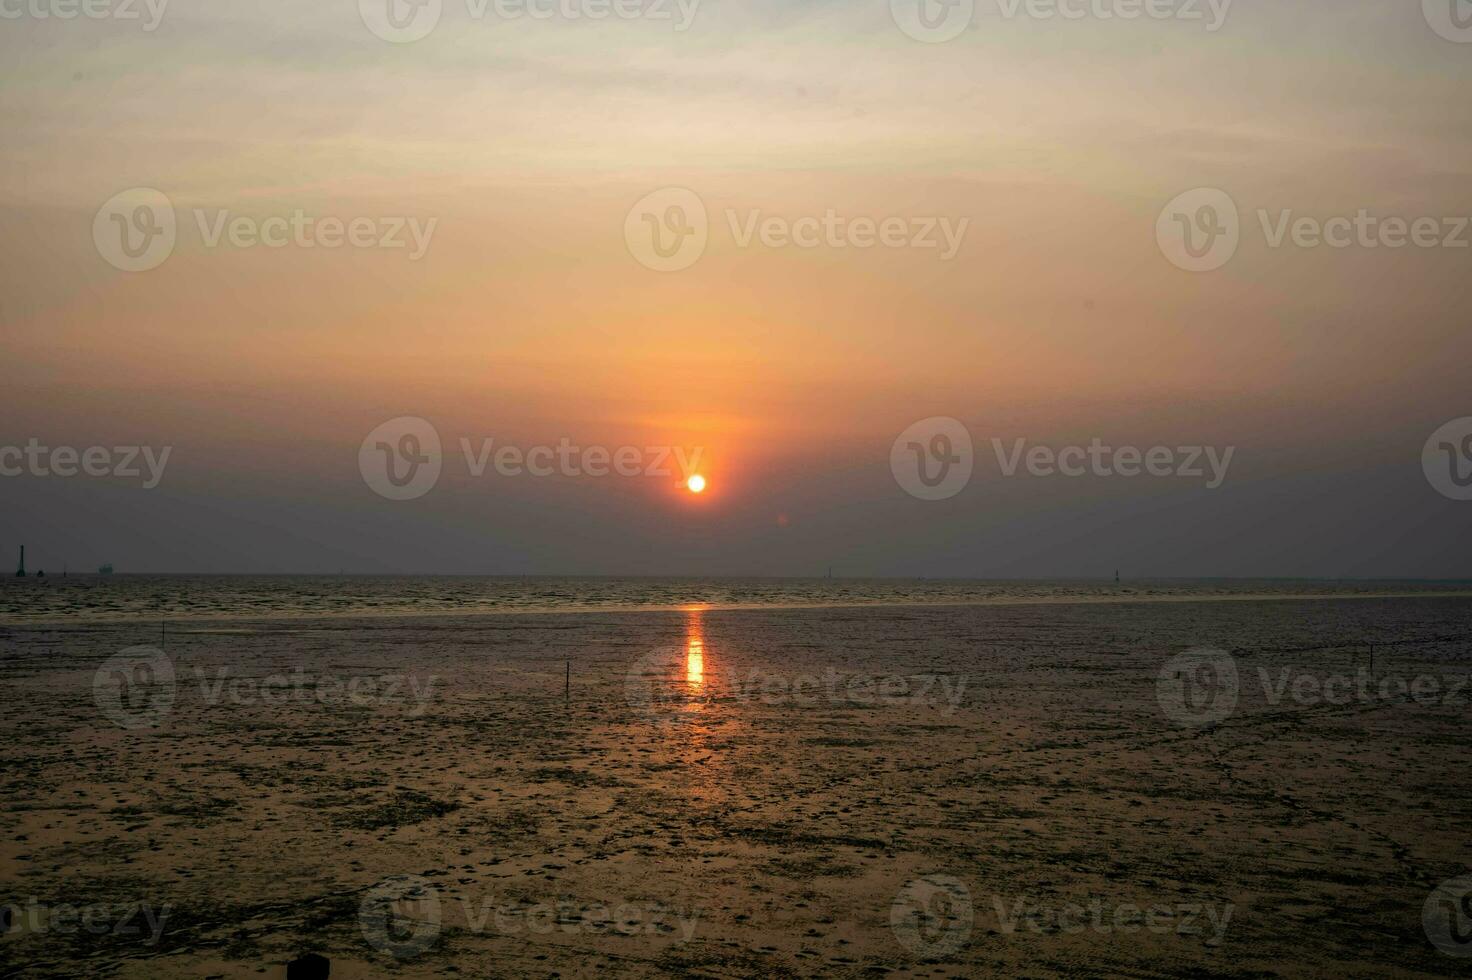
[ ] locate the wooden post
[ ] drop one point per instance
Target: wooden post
(567, 683)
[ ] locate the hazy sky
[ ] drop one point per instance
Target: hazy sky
(529, 317)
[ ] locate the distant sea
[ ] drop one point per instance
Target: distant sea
(130, 597)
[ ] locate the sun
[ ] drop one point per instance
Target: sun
(696, 483)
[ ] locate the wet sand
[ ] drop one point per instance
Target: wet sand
(928, 791)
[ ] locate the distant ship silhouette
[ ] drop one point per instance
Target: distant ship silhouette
(105, 569)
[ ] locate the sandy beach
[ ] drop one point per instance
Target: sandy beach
(1023, 790)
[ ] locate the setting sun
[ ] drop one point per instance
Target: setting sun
(696, 484)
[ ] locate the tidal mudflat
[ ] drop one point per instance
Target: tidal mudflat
(1144, 789)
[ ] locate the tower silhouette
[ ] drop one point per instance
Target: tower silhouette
(21, 571)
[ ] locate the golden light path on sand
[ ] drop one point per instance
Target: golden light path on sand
(694, 646)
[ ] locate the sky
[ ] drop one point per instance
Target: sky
(531, 155)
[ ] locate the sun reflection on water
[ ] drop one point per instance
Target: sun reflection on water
(694, 646)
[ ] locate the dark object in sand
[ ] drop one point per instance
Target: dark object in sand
(5, 913)
(309, 966)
